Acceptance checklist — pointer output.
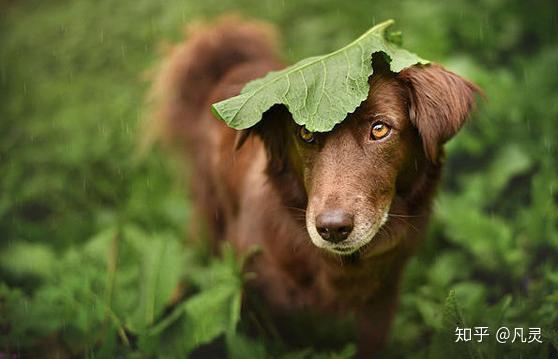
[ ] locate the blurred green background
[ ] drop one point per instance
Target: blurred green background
(92, 233)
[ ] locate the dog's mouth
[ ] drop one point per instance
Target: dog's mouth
(362, 236)
(343, 250)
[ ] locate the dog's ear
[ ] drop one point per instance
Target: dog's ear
(271, 130)
(440, 102)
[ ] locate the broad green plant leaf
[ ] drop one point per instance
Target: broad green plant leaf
(318, 91)
(208, 314)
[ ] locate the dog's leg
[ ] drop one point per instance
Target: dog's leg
(375, 321)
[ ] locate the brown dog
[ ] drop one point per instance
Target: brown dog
(336, 214)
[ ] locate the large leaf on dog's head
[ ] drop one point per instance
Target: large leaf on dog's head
(319, 91)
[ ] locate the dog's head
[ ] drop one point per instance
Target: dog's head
(349, 177)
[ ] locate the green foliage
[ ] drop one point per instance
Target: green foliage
(120, 284)
(318, 91)
(91, 249)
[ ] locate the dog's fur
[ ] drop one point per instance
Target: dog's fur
(265, 187)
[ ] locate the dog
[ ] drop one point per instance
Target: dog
(336, 215)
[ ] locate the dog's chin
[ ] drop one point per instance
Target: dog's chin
(349, 249)
(346, 249)
(341, 249)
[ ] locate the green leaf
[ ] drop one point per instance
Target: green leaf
(348, 351)
(159, 259)
(215, 310)
(208, 315)
(22, 259)
(24, 318)
(240, 346)
(318, 91)
(444, 341)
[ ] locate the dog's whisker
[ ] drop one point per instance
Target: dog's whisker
(303, 210)
(296, 213)
(299, 216)
(296, 208)
(385, 230)
(412, 226)
(405, 215)
(301, 243)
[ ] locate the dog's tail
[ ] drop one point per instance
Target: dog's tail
(194, 67)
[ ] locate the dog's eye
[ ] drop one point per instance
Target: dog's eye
(306, 135)
(379, 131)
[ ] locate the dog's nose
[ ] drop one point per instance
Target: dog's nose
(334, 226)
